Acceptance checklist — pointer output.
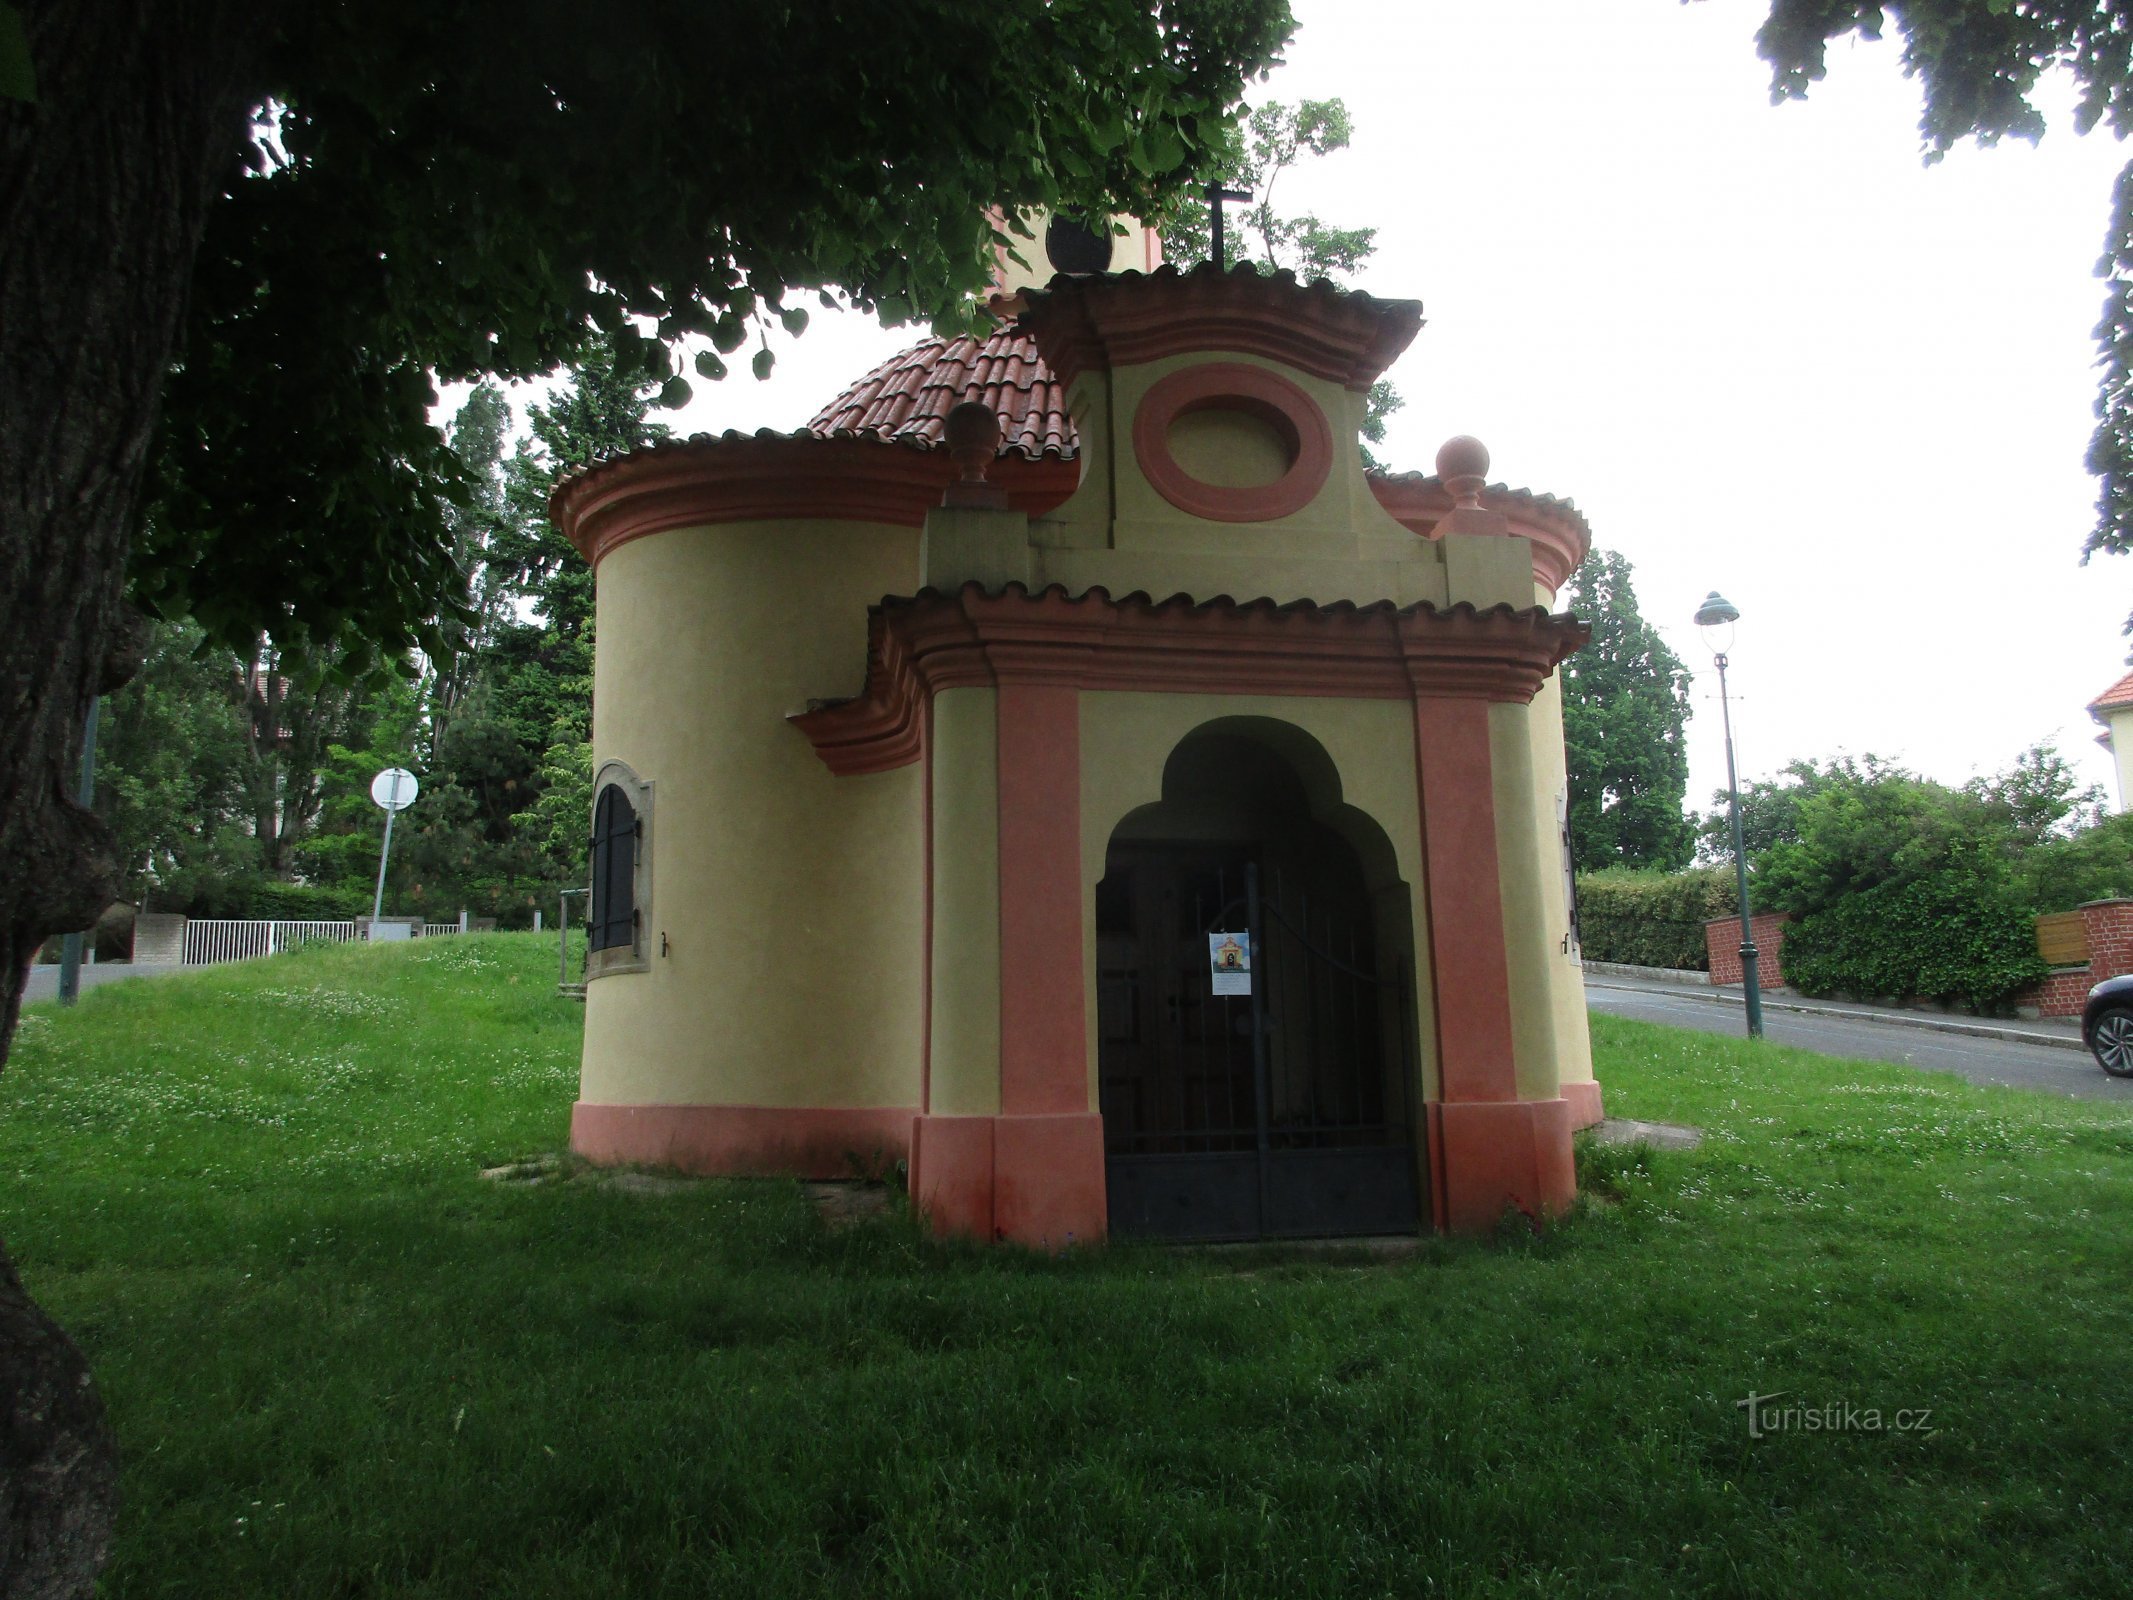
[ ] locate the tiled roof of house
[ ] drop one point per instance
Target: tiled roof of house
(2119, 694)
(906, 400)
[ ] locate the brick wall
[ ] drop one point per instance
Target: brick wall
(1722, 940)
(2108, 925)
(2060, 995)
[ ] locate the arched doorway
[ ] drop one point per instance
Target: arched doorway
(1281, 1101)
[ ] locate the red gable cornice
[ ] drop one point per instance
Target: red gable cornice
(1120, 319)
(768, 477)
(919, 646)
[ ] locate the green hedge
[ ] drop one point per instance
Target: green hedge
(271, 898)
(1652, 919)
(1944, 938)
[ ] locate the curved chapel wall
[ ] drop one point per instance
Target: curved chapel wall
(792, 901)
(1566, 967)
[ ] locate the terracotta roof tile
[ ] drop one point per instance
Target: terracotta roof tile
(2119, 694)
(906, 400)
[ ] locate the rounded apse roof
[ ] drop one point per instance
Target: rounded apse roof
(906, 400)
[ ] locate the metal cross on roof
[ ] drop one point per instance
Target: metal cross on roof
(1216, 197)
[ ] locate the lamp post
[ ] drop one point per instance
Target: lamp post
(1716, 617)
(394, 790)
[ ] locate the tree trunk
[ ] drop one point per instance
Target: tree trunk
(105, 182)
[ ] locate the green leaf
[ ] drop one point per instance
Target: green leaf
(675, 393)
(495, 231)
(795, 320)
(709, 366)
(18, 75)
(1165, 150)
(763, 362)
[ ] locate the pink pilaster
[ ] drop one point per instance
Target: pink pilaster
(1491, 1151)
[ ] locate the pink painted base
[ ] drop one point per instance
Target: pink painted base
(951, 1174)
(1031, 1180)
(1498, 1156)
(745, 1141)
(1584, 1100)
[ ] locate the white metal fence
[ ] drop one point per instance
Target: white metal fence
(209, 940)
(225, 939)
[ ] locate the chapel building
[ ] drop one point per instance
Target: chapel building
(1064, 768)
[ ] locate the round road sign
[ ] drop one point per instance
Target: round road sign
(394, 788)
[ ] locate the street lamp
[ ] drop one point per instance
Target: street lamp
(1716, 617)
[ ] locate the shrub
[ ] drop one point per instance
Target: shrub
(1955, 936)
(254, 895)
(1651, 919)
(2094, 864)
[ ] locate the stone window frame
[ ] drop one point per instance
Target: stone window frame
(636, 956)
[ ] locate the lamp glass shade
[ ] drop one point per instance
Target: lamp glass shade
(1715, 618)
(1716, 608)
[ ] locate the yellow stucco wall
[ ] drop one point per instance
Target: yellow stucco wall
(1566, 971)
(1118, 533)
(1127, 738)
(792, 901)
(966, 904)
(1530, 931)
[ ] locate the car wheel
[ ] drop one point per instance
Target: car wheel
(2111, 1041)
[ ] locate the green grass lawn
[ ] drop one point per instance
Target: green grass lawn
(342, 1364)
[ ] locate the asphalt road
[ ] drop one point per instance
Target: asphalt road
(2044, 1068)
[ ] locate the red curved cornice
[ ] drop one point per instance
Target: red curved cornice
(1119, 319)
(768, 477)
(919, 646)
(1558, 530)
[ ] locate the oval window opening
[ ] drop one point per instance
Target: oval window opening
(1232, 442)
(1233, 447)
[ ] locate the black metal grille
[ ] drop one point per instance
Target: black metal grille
(1288, 1111)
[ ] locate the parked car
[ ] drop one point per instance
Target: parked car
(2107, 1025)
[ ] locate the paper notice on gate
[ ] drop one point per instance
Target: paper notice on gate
(1229, 963)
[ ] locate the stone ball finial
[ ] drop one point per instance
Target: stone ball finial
(1463, 467)
(972, 430)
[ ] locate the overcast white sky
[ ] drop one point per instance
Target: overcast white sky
(1764, 348)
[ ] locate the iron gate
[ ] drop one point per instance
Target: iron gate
(1287, 1112)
